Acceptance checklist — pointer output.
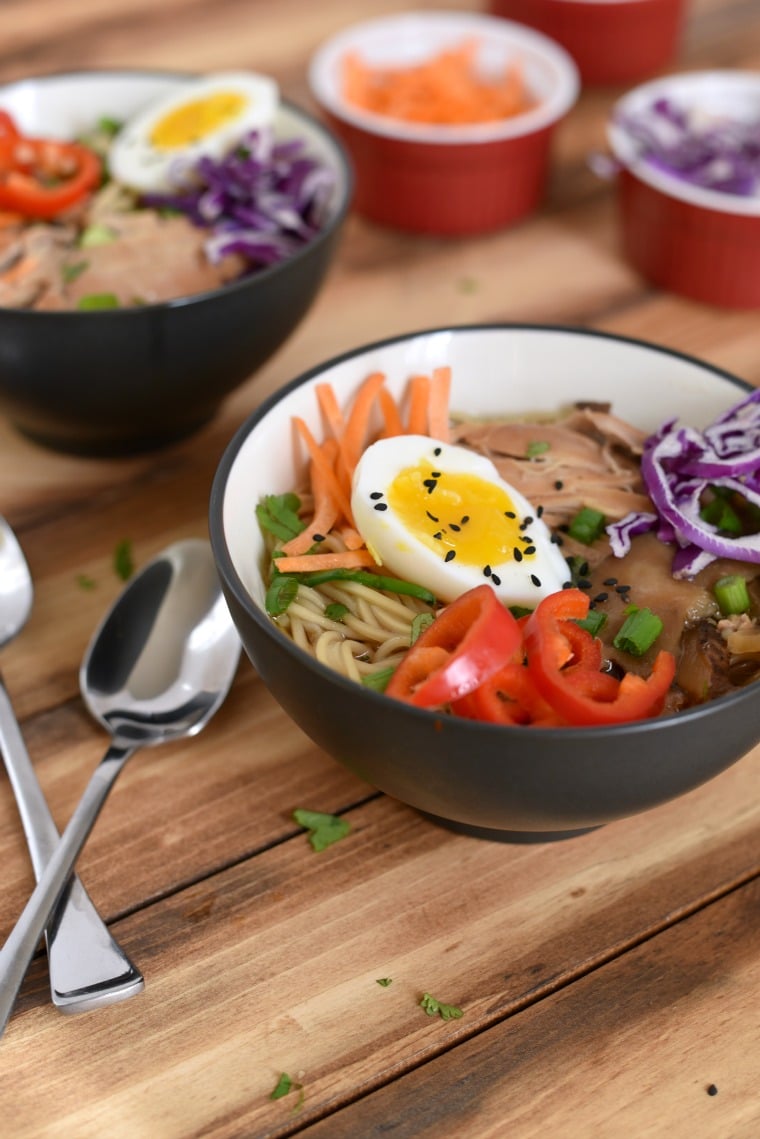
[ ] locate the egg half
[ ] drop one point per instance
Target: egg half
(207, 117)
(441, 515)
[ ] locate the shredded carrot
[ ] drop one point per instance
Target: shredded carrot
(354, 439)
(391, 414)
(438, 416)
(305, 563)
(446, 89)
(330, 408)
(351, 538)
(419, 399)
(325, 507)
(326, 470)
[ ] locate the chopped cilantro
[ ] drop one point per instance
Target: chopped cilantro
(85, 582)
(537, 447)
(278, 514)
(122, 559)
(336, 611)
(281, 592)
(384, 982)
(284, 1086)
(419, 624)
(323, 829)
(437, 1008)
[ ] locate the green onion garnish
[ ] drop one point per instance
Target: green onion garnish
(366, 577)
(587, 526)
(378, 680)
(732, 595)
(638, 632)
(97, 301)
(420, 623)
(537, 447)
(335, 611)
(720, 514)
(594, 622)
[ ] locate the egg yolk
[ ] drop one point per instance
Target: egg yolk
(194, 120)
(459, 515)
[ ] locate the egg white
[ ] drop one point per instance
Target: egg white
(444, 507)
(137, 161)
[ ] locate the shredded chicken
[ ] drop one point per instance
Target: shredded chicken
(587, 457)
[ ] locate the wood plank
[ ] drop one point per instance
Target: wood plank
(661, 1041)
(272, 964)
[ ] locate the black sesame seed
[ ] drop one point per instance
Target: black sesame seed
(317, 537)
(381, 506)
(464, 519)
(558, 484)
(557, 539)
(527, 520)
(567, 585)
(431, 484)
(610, 581)
(623, 589)
(530, 550)
(450, 555)
(486, 571)
(376, 494)
(437, 451)
(584, 583)
(536, 580)
(509, 514)
(453, 526)
(517, 554)
(495, 579)
(438, 534)
(539, 511)
(712, 1090)
(435, 474)
(432, 517)
(600, 597)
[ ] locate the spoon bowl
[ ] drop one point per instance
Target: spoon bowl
(157, 669)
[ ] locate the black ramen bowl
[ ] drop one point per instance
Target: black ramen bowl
(509, 783)
(120, 381)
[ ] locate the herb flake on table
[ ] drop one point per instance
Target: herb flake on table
(434, 1007)
(123, 562)
(284, 1086)
(84, 581)
(384, 982)
(323, 829)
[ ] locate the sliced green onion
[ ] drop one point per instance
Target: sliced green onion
(593, 622)
(378, 680)
(366, 577)
(420, 622)
(519, 611)
(732, 595)
(638, 632)
(336, 611)
(96, 301)
(587, 526)
(721, 514)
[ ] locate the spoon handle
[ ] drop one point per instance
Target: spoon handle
(19, 948)
(88, 968)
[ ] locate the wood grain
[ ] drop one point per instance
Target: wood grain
(605, 981)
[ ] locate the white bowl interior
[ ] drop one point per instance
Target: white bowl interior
(495, 371)
(405, 40)
(733, 94)
(65, 106)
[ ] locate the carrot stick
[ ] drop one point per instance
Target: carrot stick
(391, 414)
(326, 470)
(419, 394)
(354, 438)
(305, 563)
(328, 403)
(351, 537)
(325, 507)
(438, 416)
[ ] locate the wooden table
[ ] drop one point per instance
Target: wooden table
(609, 984)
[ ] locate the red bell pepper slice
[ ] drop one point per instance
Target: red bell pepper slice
(582, 695)
(40, 178)
(508, 697)
(467, 643)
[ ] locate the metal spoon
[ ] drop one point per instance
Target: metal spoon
(88, 968)
(157, 669)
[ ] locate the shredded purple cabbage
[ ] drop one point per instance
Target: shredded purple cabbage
(714, 153)
(679, 465)
(263, 201)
